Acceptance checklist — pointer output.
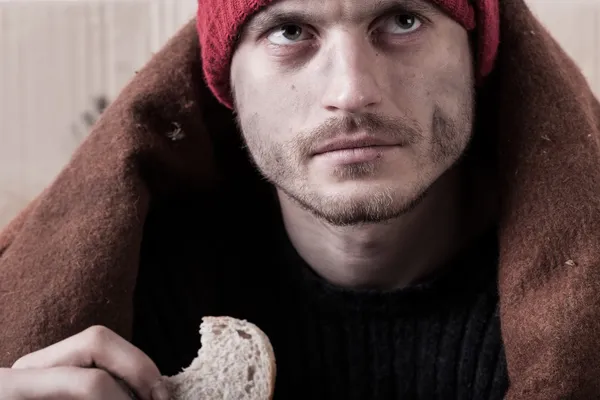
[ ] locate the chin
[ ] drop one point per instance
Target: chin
(353, 203)
(389, 189)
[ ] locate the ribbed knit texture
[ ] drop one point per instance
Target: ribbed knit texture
(439, 339)
(461, 10)
(219, 22)
(436, 340)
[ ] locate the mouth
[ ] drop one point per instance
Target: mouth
(354, 151)
(352, 145)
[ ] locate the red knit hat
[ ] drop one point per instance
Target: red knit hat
(219, 21)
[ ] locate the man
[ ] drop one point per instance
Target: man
(369, 250)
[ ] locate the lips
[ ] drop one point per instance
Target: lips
(349, 144)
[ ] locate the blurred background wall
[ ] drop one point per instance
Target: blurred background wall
(63, 61)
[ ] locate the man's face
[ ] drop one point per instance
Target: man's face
(353, 108)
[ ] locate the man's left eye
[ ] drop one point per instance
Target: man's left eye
(401, 24)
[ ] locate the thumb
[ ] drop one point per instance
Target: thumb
(160, 391)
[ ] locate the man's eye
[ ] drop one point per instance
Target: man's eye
(288, 34)
(401, 24)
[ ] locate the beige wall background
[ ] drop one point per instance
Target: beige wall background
(62, 60)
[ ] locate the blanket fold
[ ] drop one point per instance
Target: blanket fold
(71, 258)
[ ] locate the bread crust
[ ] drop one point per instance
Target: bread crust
(216, 326)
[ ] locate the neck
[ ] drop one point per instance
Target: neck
(387, 255)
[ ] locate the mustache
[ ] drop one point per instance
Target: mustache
(402, 131)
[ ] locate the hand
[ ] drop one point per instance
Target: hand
(89, 365)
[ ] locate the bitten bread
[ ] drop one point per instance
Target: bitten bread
(235, 362)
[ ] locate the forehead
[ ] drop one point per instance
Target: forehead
(337, 10)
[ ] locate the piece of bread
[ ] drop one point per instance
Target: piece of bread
(235, 362)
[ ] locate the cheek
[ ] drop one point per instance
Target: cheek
(258, 135)
(451, 118)
(262, 129)
(256, 86)
(438, 91)
(283, 100)
(412, 97)
(253, 106)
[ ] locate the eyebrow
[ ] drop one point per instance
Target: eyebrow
(280, 14)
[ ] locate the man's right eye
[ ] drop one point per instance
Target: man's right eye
(288, 34)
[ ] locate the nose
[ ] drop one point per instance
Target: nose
(352, 84)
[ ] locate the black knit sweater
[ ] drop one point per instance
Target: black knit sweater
(439, 339)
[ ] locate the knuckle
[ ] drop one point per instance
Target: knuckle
(30, 360)
(21, 362)
(95, 381)
(97, 337)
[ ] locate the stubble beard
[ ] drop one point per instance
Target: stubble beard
(286, 169)
(365, 206)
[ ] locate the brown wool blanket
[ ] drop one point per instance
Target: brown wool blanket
(71, 258)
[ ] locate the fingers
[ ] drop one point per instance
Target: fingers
(64, 383)
(99, 347)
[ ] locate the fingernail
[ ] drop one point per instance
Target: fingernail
(160, 392)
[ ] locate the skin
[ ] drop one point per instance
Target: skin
(305, 72)
(337, 68)
(84, 366)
